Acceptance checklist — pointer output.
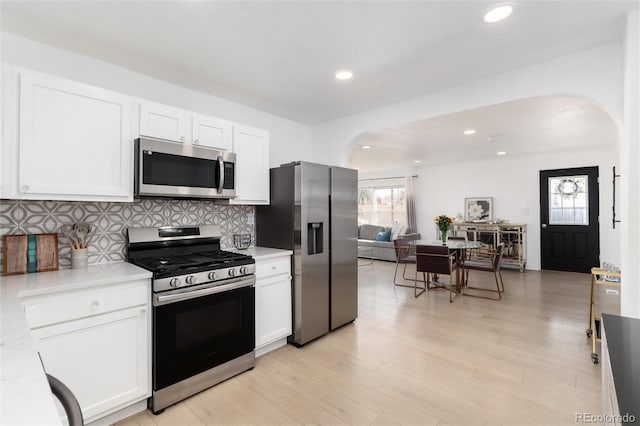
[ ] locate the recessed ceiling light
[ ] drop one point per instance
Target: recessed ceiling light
(501, 152)
(498, 13)
(344, 75)
(469, 131)
(417, 161)
(366, 147)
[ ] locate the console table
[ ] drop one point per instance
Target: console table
(514, 237)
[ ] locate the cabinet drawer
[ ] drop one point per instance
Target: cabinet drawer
(70, 306)
(281, 265)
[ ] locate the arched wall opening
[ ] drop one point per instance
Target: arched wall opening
(537, 133)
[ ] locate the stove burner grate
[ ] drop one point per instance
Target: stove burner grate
(177, 262)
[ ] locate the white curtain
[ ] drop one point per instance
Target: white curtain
(410, 193)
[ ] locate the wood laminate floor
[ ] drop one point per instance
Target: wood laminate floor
(522, 361)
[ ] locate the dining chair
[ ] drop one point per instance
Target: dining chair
(67, 400)
(493, 266)
(456, 238)
(405, 255)
(435, 261)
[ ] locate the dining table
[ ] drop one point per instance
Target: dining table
(460, 246)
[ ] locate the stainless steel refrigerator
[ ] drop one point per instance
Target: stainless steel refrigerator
(314, 212)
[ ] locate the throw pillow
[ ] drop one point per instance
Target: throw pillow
(397, 231)
(369, 232)
(383, 236)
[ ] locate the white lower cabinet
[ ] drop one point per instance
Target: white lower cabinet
(273, 303)
(103, 354)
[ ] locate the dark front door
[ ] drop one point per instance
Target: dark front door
(569, 219)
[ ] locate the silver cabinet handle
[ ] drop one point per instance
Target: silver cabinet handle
(94, 305)
(181, 138)
(196, 141)
(24, 188)
(544, 225)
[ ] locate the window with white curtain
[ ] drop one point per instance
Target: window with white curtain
(381, 203)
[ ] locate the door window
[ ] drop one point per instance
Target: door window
(568, 200)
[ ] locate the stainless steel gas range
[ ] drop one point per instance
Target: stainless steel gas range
(203, 309)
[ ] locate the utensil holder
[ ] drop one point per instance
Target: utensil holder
(242, 241)
(79, 258)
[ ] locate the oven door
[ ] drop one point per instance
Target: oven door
(193, 335)
(175, 170)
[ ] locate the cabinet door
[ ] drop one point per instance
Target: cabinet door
(163, 121)
(273, 309)
(103, 359)
(252, 165)
(74, 141)
(212, 132)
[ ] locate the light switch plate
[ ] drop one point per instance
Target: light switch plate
(251, 218)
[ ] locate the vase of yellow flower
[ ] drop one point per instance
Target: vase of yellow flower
(443, 221)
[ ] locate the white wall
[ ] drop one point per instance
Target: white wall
(289, 140)
(630, 172)
(513, 182)
(594, 73)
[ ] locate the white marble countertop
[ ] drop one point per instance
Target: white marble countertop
(260, 253)
(24, 391)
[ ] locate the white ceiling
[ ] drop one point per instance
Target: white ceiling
(534, 125)
(280, 57)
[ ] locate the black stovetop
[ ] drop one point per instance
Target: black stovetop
(176, 264)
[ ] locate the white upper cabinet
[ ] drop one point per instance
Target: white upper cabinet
(212, 132)
(179, 125)
(251, 147)
(163, 121)
(65, 140)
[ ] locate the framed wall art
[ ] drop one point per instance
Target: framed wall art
(478, 209)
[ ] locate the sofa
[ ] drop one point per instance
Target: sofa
(380, 250)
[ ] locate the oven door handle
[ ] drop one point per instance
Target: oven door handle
(231, 285)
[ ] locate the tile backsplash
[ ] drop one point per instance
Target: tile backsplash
(110, 220)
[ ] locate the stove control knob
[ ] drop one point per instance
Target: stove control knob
(243, 270)
(232, 272)
(212, 276)
(174, 282)
(190, 279)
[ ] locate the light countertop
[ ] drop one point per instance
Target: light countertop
(24, 391)
(261, 253)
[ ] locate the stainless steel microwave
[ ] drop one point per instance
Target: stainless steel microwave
(172, 169)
